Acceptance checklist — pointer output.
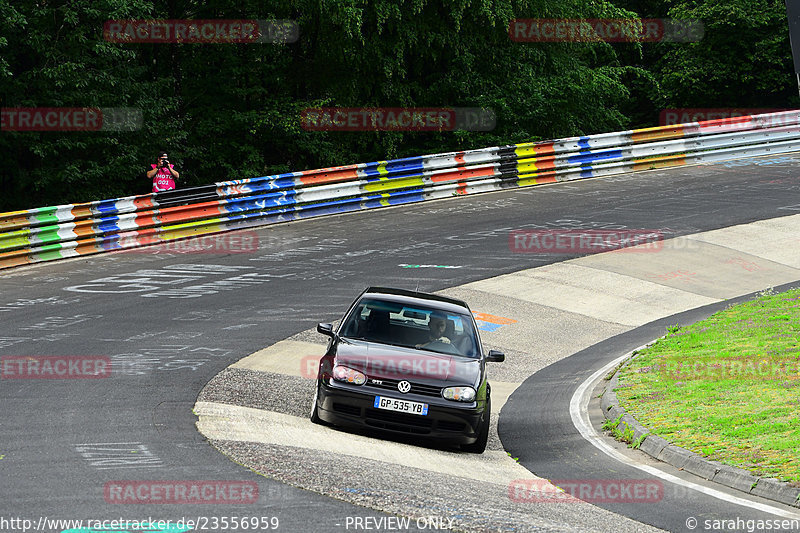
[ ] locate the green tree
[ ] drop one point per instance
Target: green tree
(743, 60)
(231, 111)
(54, 56)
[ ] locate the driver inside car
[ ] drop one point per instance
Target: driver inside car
(436, 325)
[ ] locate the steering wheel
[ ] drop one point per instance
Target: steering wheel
(439, 346)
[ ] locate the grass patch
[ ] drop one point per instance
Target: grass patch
(728, 387)
(623, 432)
(611, 424)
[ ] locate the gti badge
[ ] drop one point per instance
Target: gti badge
(404, 386)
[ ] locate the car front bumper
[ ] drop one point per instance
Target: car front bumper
(343, 406)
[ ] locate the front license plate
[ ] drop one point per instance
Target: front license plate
(403, 406)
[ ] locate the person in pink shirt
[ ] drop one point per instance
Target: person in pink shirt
(163, 174)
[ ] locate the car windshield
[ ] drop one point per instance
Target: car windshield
(419, 327)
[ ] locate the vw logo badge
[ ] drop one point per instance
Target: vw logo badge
(404, 386)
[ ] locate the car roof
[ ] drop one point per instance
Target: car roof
(419, 298)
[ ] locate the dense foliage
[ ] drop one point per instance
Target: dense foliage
(228, 111)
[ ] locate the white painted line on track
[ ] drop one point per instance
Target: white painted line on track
(579, 412)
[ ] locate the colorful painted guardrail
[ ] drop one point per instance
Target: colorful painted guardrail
(50, 233)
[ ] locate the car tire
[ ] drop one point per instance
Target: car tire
(479, 446)
(315, 419)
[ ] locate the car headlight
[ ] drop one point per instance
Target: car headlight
(459, 394)
(348, 375)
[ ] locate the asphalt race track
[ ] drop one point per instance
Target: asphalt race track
(170, 322)
(559, 452)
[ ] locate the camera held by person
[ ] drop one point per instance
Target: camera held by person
(163, 173)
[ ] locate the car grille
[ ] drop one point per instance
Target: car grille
(398, 421)
(416, 388)
(446, 425)
(347, 409)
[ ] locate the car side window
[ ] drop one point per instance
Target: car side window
(458, 325)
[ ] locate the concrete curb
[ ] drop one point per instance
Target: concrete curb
(683, 459)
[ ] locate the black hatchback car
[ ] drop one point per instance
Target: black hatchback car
(409, 363)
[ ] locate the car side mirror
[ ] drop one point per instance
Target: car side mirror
(325, 329)
(495, 356)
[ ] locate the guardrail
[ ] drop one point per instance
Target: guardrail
(50, 233)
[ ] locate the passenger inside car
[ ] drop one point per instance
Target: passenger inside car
(377, 326)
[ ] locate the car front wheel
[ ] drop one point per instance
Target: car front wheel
(314, 413)
(479, 446)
